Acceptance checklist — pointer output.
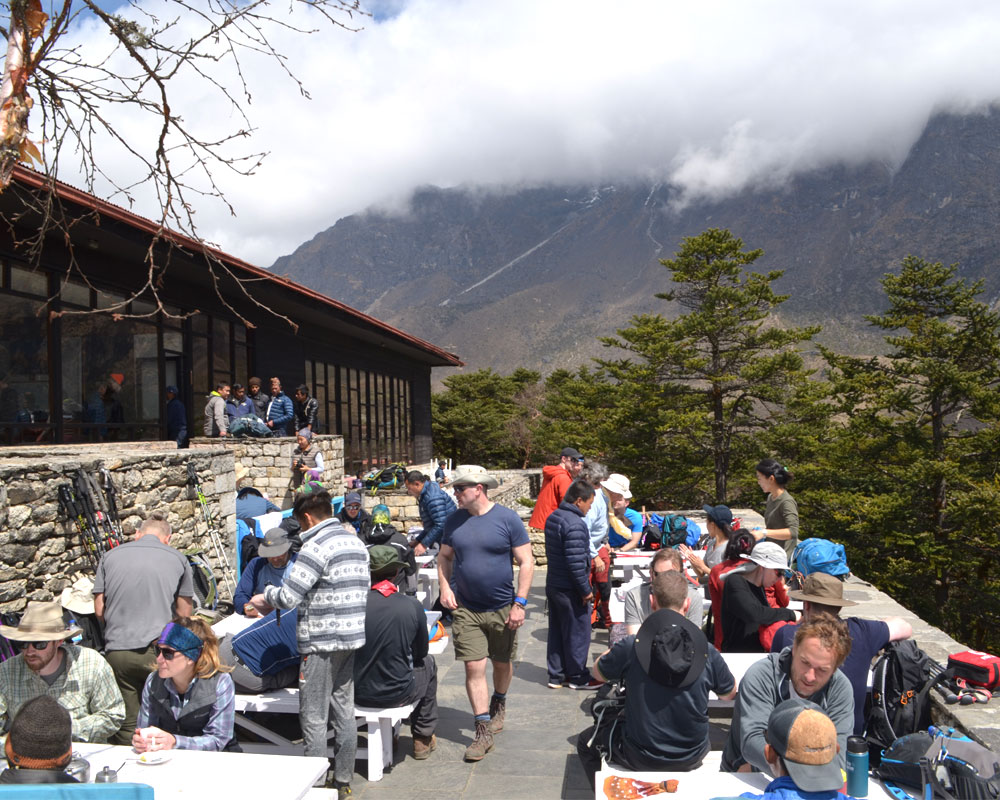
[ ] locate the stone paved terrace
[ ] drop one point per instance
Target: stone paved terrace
(535, 755)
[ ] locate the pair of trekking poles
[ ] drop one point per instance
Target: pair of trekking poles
(93, 508)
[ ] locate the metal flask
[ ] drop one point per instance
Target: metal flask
(79, 768)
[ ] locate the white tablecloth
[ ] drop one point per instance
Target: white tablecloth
(198, 774)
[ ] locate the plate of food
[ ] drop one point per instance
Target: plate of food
(155, 757)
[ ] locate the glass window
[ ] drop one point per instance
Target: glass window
(173, 341)
(222, 364)
(239, 333)
(199, 323)
(240, 371)
(172, 318)
(143, 307)
(77, 294)
(110, 300)
(24, 372)
(29, 281)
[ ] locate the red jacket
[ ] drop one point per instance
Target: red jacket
(555, 481)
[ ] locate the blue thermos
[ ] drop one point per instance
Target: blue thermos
(857, 766)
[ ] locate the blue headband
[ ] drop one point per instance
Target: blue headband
(181, 639)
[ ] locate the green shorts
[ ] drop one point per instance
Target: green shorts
(483, 634)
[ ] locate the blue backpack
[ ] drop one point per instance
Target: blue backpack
(820, 555)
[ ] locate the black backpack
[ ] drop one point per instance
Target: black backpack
(899, 704)
(672, 533)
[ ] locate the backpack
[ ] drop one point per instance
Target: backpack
(973, 666)
(672, 532)
(206, 588)
(7, 649)
(248, 426)
(901, 682)
(820, 555)
(386, 478)
(954, 766)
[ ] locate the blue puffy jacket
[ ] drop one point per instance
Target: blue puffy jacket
(567, 548)
(435, 507)
(281, 412)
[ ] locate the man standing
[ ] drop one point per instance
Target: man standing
(824, 594)
(177, 426)
(479, 542)
(669, 669)
(328, 584)
(394, 668)
(259, 399)
(435, 507)
(139, 587)
(216, 420)
(279, 410)
(306, 410)
(807, 670)
(555, 481)
(600, 553)
(77, 677)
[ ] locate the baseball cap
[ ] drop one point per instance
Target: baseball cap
(806, 739)
(571, 452)
(768, 554)
(720, 515)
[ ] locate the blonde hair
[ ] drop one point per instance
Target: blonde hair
(208, 663)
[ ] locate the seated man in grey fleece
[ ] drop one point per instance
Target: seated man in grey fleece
(637, 605)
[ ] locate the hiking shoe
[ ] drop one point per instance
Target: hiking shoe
(498, 710)
(593, 683)
(555, 684)
(423, 746)
(481, 745)
(344, 791)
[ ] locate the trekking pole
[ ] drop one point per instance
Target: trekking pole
(227, 571)
(89, 511)
(69, 508)
(97, 500)
(111, 494)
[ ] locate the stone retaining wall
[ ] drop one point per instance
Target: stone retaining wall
(268, 463)
(42, 551)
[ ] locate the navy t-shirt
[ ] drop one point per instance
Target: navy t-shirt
(867, 638)
(663, 723)
(483, 575)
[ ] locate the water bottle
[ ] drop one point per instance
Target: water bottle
(857, 766)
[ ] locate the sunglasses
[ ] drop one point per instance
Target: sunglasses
(463, 487)
(166, 652)
(353, 506)
(36, 645)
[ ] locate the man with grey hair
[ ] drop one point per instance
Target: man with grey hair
(600, 553)
(139, 587)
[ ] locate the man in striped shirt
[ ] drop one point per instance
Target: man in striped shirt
(328, 584)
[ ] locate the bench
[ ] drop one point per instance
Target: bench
(381, 725)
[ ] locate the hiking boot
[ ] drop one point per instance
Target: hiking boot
(344, 792)
(423, 746)
(498, 710)
(481, 745)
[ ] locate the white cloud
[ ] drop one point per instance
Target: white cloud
(714, 96)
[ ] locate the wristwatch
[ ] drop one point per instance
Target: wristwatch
(521, 601)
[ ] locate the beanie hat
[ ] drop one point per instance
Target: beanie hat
(40, 735)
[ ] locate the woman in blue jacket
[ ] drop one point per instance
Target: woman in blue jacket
(567, 589)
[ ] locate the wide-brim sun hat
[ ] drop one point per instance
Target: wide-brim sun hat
(671, 649)
(618, 484)
(42, 622)
(827, 590)
(768, 555)
(275, 543)
(473, 473)
(79, 598)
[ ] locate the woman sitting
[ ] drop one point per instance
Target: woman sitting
(719, 523)
(745, 607)
(189, 702)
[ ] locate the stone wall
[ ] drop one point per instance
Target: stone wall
(42, 552)
(268, 463)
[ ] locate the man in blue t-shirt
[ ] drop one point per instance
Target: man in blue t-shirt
(822, 593)
(669, 669)
(477, 584)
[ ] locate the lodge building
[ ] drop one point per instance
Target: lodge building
(372, 380)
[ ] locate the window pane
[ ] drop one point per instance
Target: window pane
(222, 365)
(143, 307)
(29, 282)
(76, 293)
(241, 364)
(109, 300)
(173, 341)
(24, 372)
(239, 332)
(199, 323)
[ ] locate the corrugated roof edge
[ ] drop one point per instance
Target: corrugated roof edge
(65, 191)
